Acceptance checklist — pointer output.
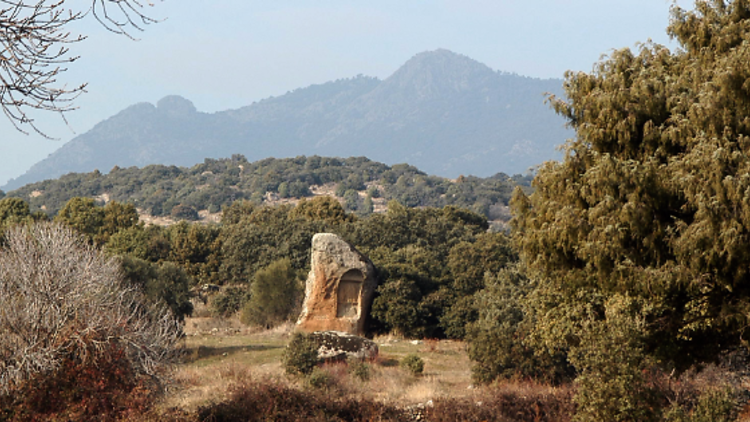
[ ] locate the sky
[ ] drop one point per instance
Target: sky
(224, 54)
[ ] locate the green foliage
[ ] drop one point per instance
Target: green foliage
(215, 184)
(611, 364)
(321, 208)
(133, 241)
(469, 261)
(184, 212)
(265, 235)
(359, 369)
(197, 249)
(161, 283)
(301, 355)
(229, 301)
(274, 295)
(321, 379)
(117, 217)
(351, 200)
(642, 232)
(714, 405)
(498, 340)
(397, 306)
(82, 215)
(461, 312)
(367, 207)
(413, 364)
(97, 223)
(13, 210)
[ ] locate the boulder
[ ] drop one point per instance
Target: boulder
(339, 288)
(336, 346)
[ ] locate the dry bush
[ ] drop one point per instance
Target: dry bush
(507, 402)
(268, 400)
(71, 331)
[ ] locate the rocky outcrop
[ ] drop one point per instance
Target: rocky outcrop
(336, 346)
(339, 288)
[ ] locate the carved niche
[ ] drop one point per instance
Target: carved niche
(349, 293)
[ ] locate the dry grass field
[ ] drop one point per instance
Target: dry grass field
(222, 354)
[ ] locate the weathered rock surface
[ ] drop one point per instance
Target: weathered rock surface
(335, 345)
(339, 288)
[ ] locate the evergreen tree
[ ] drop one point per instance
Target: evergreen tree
(652, 200)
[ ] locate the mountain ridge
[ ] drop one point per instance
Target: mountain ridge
(441, 111)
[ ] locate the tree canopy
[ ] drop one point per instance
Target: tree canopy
(652, 200)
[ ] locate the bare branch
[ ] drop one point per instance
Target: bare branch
(34, 48)
(60, 297)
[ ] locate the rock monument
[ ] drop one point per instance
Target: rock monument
(339, 288)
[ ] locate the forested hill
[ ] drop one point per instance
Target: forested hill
(363, 185)
(442, 112)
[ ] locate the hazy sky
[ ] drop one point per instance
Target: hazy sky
(225, 54)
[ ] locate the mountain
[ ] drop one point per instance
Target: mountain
(442, 112)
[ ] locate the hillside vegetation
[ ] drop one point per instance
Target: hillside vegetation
(621, 292)
(181, 192)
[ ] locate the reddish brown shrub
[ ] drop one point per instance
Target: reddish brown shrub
(264, 401)
(525, 404)
(76, 343)
(99, 387)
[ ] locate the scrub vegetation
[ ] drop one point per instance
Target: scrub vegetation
(621, 293)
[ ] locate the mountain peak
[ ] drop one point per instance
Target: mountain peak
(176, 106)
(441, 111)
(450, 70)
(442, 56)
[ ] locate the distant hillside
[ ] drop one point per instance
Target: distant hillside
(364, 186)
(442, 112)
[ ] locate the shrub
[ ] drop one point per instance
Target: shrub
(228, 302)
(321, 379)
(498, 345)
(611, 364)
(273, 295)
(506, 403)
(714, 405)
(359, 369)
(161, 283)
(268, 401)
(72, 333)
(184, 212)
(301, 355)
(413, 363)
(397, 306)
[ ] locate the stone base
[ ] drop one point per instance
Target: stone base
(337, 346)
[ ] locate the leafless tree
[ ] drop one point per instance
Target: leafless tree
(60, 297)
(34, 48)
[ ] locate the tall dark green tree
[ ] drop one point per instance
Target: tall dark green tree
(652, 199)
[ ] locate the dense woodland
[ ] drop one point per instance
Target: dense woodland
(625, 271)
(431, 260)
(215, 184)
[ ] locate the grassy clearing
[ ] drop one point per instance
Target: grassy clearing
(224, 362)
(216, 347)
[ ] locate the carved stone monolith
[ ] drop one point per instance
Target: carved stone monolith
(339, 288)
